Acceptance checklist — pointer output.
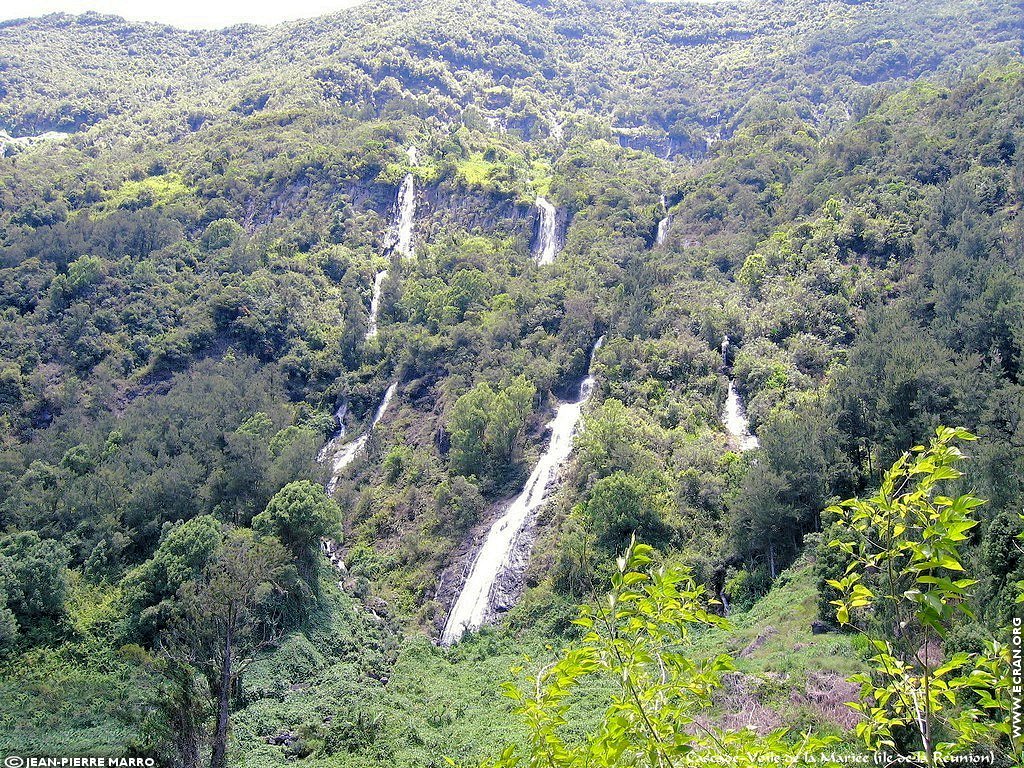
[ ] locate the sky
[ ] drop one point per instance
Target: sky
(190, 14)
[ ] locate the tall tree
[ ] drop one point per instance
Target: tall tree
(227, 616)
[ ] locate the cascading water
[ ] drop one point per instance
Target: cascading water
(734, 416)
(401, 238)
(343, 455)
(475, 603)
(735, 420)
(404, 216)
(337, 438)
(557, 129)
(546, 243)
(378, 285)
(25, 142)
(659, 239)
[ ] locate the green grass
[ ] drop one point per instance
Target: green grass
(72, 700)
(476, 171)
(350, 692)
(447, 703)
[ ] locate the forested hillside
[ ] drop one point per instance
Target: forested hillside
(279, 343)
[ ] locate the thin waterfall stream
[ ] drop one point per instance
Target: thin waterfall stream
(378, 285)
(734, 415)
(405, 211)
(503, 548)
(663, 223)
(341, 455)
(547, 242)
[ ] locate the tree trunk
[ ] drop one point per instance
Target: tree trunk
(190, 732)
(771, 561)
(218, 756)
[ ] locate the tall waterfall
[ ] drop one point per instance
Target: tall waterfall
(475, 603)
(401, 238)
(546, 234)
(405, 213)
(659, 239)
(378, 285)
(735, 420)
(343, 455)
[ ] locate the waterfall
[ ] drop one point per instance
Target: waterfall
(725, 350)
(546, 245)
(337, 437)
(343, 455)
(557, 130)
(378, 285)
(735, 420)
(25, 142)
(405, 212)
(475, 603)
(659, 239)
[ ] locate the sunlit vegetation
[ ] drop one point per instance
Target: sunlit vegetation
(185, 289)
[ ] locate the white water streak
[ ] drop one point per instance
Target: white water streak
(405, 214)
(547, 246)
(378, 286)
(343, 455)
(474, 604)
(735, 420)
(662, 225)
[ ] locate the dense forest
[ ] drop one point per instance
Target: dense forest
(710, 293)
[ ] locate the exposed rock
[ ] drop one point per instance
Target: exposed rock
(758, 641)
(819, 627)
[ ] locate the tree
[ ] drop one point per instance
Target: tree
(797, 472)
(486, 427)
(8, 621)
(621, 506)
(34, 573)
(299, 515)
(906, 569)
(152, 588)
(226, 616)
(467, 426)
(612, 439)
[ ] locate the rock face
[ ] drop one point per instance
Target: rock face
(447, 208)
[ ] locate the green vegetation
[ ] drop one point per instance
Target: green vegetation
(908, 541)
(907, 544)
(185, 289)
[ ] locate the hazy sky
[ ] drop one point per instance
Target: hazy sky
(194, 14)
